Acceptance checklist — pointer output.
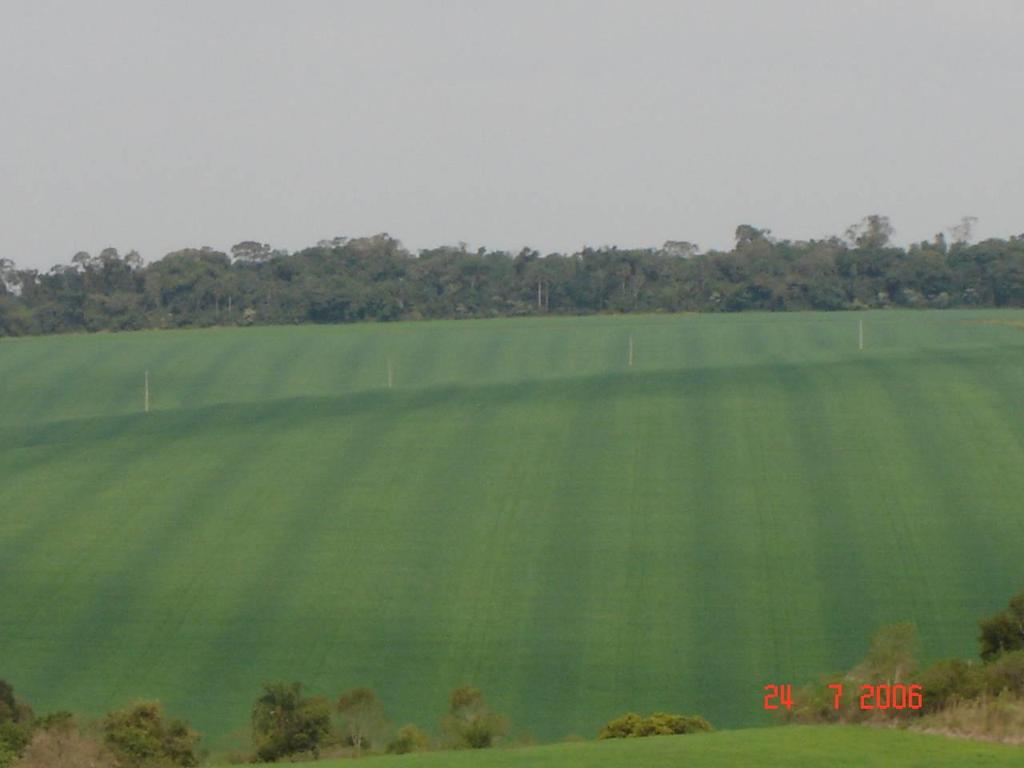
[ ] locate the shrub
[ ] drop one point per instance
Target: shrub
(362, 718)
(408, 739)
(284, 722)
(948, 682)
(621, 727)
(999, 718)
(62, 745)
(470, 723)
(815, 703)
(16, 722)
(1004, 631)
(1005, 673)
(659, 724)
(891, 657)
(139, 736)
(14, 737)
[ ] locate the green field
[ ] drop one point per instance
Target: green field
(523, 510)
(805, 747)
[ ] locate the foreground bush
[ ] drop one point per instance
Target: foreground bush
(658, 724)
(362, 719)
(64, 746)
(949, 682)
(140, 736)
(470, 723)
(408, 739)
(996, 718)
(16, 721)
(1005, 673)
(1004, 631)
(284, 722)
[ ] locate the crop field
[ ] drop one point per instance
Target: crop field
(522, 509)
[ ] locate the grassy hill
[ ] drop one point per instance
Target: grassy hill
(523, 510)
(807, 747)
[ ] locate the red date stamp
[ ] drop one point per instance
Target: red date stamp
(884, 696)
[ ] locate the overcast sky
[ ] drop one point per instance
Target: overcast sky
(161, 125)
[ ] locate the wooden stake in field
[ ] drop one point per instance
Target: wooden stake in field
(391, 374)
(146, 394)
(630, 351)
(860, 339)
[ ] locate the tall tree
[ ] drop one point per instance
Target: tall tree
(363, 721)
(470, 722)
(873, 231)
(1003, 631)
(284, 722)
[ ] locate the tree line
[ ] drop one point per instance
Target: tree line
(376, 279)
(286, 724)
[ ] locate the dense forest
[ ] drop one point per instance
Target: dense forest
(375, 278)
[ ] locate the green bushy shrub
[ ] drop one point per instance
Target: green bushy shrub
(633, 725)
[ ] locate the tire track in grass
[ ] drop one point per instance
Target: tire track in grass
(55, 390)
(900, 486)
(85, 440)
(1001, 381)
(273, 384)
(22, 362)
(480, 584)
(734, 621)
(158, 459)
(423, 359)
(37, 546)
(260, 477)
(661, 590)
(353, 362)
(622, 526)
(754, 487)
(490, 356)
(500, 575)
(489, 582)
(817, 410)
(201, 382)
(422, 638)
(972, 455)
(543, 422)
(455, 508)
(752, 390)
(29, 447)
(101, 386)
(785, 509)
(151, 589)
(657, 610)
(264, 616)
(648, 441)
(299, 376)
(910, 396)
(570, 615)
(99, 630)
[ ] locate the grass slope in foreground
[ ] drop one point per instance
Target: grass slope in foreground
(805, 746)
(523, 511)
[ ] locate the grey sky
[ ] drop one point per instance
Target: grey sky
(553, 124)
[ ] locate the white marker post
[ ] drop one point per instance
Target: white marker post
(391, 374)
(630, 351)
(860, 340)
(146, 396)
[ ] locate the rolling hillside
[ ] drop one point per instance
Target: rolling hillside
(523, 510)
(807, 747)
